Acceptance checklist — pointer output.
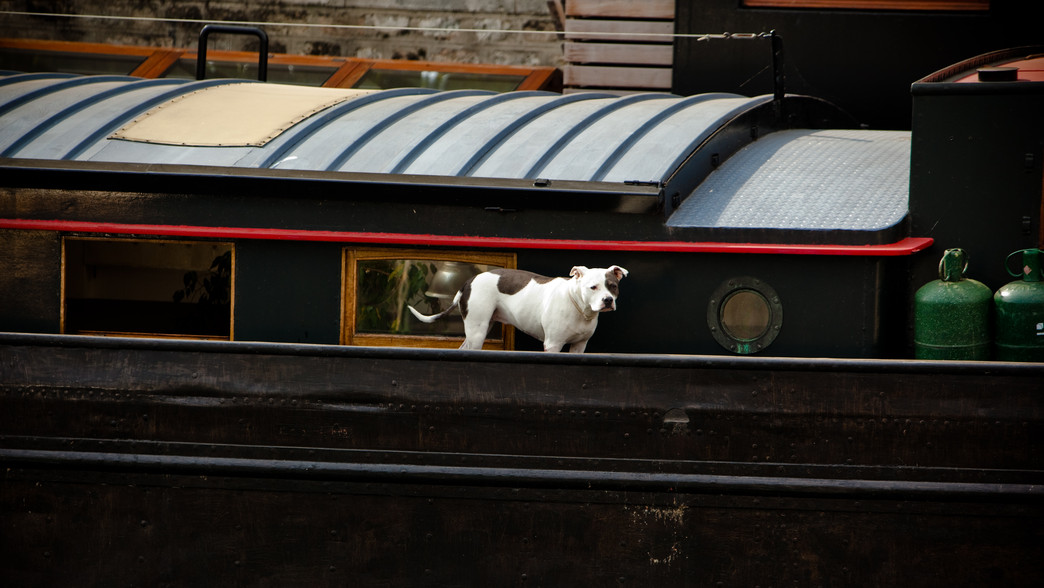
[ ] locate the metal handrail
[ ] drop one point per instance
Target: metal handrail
(201, 52)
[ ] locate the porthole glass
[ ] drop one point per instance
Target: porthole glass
(744, 315)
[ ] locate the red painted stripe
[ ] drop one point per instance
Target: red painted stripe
(907, 246)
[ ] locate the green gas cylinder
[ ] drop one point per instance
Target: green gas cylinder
(952, 314)
(1019, 311)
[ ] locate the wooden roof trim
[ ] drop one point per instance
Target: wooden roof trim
(346, 71)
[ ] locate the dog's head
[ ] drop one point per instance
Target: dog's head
(599, 286)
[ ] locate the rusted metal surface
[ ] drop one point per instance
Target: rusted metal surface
(144, 462)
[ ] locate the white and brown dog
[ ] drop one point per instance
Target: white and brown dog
(557, 311)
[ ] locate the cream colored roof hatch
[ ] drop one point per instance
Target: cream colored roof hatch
(232, 115)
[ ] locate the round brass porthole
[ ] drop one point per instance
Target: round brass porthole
(744, 315)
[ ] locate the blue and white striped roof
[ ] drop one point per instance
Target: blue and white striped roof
(584, 137)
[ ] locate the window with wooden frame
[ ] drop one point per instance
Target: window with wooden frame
(71, 57)
(306, 70)
(379, 286)
(926, 5)
(147, 288)
(282, 69)
(386, 74)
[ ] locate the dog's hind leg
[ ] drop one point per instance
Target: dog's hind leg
(474, 334)
(479, 316)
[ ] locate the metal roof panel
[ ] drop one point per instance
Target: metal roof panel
(64, 133)
(476, 140)
(25, 112)
(394, 137)
(515, 155)
(652, 151)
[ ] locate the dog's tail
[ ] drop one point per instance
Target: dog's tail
(424, 318)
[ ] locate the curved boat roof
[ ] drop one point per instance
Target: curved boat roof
(586, 137)
(654, 139)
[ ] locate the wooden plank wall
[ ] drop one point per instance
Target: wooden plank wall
(619, 45)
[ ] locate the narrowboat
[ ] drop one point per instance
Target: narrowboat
(208, 374)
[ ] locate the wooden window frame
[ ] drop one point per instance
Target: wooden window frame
(345, 71)
(534, 78)
(897, 5)
(352, 255)
(147, 55)
(64, 302)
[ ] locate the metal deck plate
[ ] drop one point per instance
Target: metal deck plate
(802, 179)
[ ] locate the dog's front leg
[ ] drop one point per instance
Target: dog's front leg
(552, 346)
(577, 347)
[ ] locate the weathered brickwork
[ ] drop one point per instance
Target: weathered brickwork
(392, 41)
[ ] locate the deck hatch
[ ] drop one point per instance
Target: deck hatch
(234, 115)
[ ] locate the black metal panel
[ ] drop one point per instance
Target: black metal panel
(288, 292)
(539, 404)
(172, 462)
(30, 274)
(411, 189)
(165, 530)
(862, 60)
(976, 174)
(323, 201)
(834, 306)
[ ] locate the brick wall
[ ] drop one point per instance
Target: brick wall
(389, 43)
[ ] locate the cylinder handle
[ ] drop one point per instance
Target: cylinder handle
(1030, 270)
(953, 265)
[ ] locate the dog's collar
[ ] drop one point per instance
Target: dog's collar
(580, 308)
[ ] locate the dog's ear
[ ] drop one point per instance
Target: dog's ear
(577, 272)
(618, 271)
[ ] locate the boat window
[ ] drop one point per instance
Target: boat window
(278, 73)
(744, 315)
(128, 287)
(385, 79)
(381, 284)
(17, 59)
(28, 55)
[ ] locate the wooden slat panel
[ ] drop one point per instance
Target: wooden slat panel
(622, 53)
(619, 30)
(621, 8)
(617, 77)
